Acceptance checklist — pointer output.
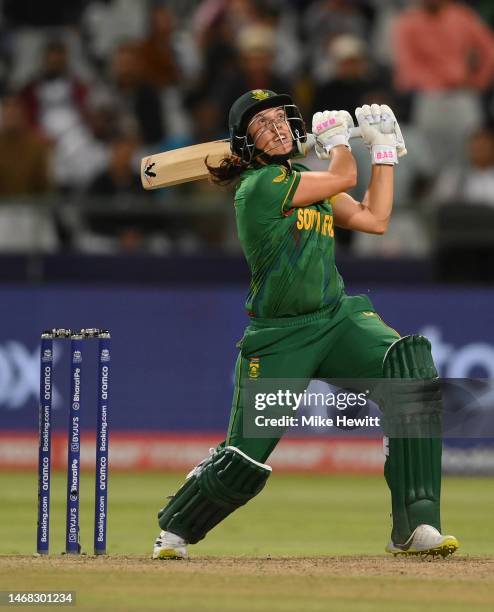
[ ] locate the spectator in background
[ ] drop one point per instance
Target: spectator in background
(133, 228)
(380, 39)
(121, 183)
(134, 98)
(57, 107)
(463, 214)
(218, 25)
(25, 224)
(255, 68)
(473, 182)
(325, 19)
(120, 177)
(55, 98)
(105, 23)
(445, 57)
(352, 79)
(207, 122)
(24, 157)
(103, 117)
(279, 17)
(161, 59)
(155, 54)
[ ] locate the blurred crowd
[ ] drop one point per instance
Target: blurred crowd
(90, 86)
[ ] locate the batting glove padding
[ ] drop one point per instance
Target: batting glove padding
(381, 133)
(331, 128)
(400, 141)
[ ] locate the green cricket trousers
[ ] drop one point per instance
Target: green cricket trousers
(346, 341)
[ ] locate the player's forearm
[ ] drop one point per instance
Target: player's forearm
(342, 163)
(340, 176)
(379, 196)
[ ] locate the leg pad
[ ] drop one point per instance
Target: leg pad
(412, 420)
(224, 482)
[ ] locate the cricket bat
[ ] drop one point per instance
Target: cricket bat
(187, 164)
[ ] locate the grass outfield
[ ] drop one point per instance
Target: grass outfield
(306, 543)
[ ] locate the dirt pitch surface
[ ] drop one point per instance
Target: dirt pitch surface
(456, 567)
(260, 584)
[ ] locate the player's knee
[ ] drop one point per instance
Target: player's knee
(410, 397)
(409, 357)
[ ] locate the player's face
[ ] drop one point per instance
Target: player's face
(271, 132)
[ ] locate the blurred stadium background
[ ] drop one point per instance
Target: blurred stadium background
(89, 86)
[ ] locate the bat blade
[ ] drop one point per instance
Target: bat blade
(187, 164)
(181, 165)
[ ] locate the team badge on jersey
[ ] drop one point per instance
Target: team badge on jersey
(254, 367)
(281, 177)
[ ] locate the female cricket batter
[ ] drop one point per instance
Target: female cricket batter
(303, 325)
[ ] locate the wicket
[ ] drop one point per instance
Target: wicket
(72, 535)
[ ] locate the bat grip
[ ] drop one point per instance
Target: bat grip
(311, 139)
(306, 146)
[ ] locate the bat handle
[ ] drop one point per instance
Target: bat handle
(305, 147)
(355, 132)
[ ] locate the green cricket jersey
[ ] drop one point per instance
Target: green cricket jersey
(290, 251)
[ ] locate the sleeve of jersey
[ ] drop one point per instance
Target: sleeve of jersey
(270, 191)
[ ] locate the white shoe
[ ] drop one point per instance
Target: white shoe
(169, 546)
(424, 541)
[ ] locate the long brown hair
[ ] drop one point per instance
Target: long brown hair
(228, 171)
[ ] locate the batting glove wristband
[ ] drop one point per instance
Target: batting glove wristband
(331, 128)
(377, 126)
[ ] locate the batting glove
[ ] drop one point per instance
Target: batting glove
(377, 126)
(400, 141)
(331, 128)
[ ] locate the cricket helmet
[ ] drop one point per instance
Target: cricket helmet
(251, 103)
